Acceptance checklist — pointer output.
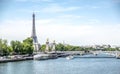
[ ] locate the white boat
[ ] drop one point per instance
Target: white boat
(41, 57)
(69, 57)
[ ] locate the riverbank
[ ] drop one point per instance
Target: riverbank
(56, 55)
(15, 58)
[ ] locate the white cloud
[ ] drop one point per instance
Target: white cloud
(50, 8)
(93, 21)
(95, 7)
(14, 30)
(44, 21)
(72, 34)
(70, 16)
(54, 8)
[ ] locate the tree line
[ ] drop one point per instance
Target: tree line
(16, 47)
(62, 47)
(26, 47)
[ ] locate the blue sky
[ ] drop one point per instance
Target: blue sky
(77, 22)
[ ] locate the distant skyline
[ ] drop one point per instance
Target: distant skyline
(76, 22)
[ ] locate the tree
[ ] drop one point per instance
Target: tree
(28, 41)
(4, 48)
(28, 46)
(10, 50)
(43, 47)
(60, 47)
(16, 46)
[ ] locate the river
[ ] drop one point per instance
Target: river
(63, 66)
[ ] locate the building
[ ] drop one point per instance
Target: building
(50, 47)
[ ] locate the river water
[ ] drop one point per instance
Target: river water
(63, 66)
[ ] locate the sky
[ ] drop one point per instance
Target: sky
(75, 22)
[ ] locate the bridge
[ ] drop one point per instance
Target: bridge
(94, 54)
(111, 53)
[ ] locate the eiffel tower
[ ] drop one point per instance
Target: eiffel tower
(33, 36)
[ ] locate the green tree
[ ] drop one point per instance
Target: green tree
(60, 47)
(16, 46)
(4, 48)
(28, 46)
(43, 47)
(28, 41)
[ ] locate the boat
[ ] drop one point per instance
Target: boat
(45, 56)
(69, 57)
(41, 57)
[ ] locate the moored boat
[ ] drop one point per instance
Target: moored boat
(69, 57)
(44, 56)
(41, 57)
